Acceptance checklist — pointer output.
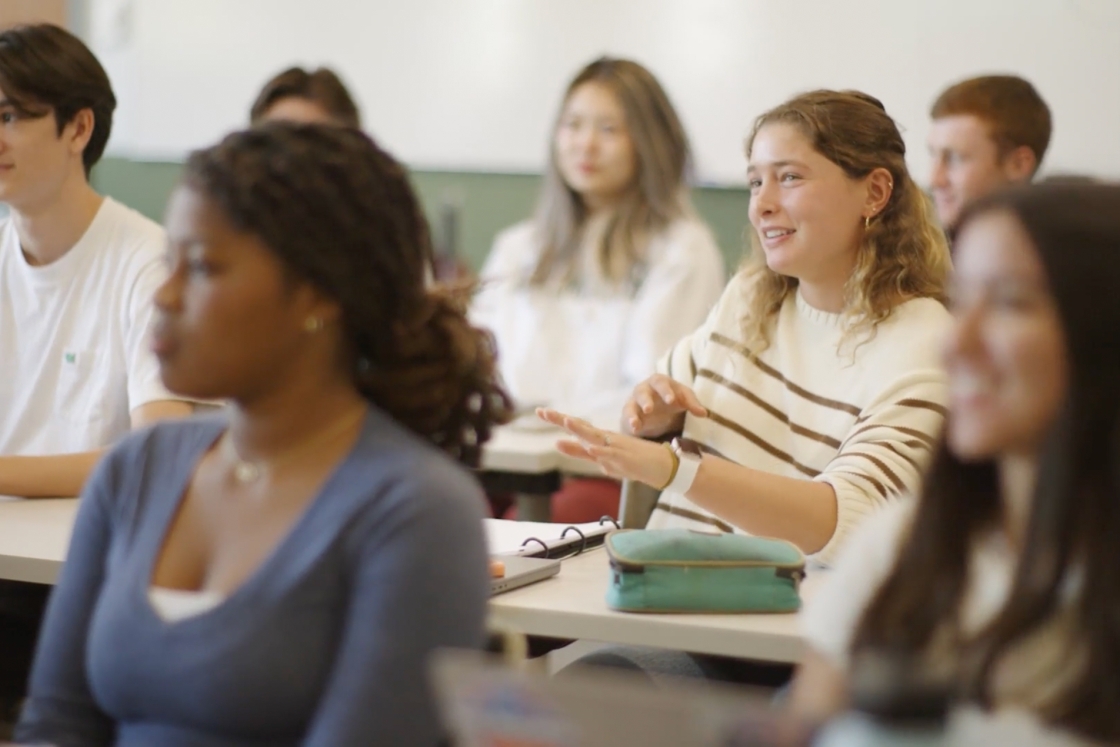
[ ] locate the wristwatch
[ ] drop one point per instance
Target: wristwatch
(688, 456)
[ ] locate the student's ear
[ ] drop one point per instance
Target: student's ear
(880, 185)
(79, 130)
(313, 303)
(1019, 164)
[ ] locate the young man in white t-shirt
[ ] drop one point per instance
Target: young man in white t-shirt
(77, 274)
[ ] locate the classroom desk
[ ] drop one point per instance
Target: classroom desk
(34, 535)
(573, 605)
(525, 462)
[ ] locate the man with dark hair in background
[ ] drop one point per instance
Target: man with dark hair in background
(77, 276)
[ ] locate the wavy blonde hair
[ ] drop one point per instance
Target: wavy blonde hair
(657, 197)
(903, 254)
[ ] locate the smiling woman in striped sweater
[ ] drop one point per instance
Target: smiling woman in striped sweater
(814, 391)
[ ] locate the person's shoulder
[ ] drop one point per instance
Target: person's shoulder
(514, 252)
(164, 438)
(688, 236)
(521, 236)
(9, 239)
(735, 300)
(410, 471)
(148, 455)
(921, 313)
(915, 331)
(690, 228)
(132, 234)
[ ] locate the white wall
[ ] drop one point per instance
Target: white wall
(474, 84)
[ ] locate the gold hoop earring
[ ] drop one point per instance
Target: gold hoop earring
(312, 324)
(866, 222)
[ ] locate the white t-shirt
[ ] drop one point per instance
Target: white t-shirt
(584, 350)
(1028, 676)
(74, 335)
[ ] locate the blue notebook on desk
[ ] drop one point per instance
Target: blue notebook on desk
(535, 539)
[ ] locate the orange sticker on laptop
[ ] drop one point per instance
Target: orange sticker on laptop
(497, 568)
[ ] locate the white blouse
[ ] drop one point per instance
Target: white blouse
(584, 349)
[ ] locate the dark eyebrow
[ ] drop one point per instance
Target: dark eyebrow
(21, 109)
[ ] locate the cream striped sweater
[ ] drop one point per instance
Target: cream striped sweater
(863, 419)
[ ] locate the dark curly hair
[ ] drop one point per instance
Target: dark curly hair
(339, 213)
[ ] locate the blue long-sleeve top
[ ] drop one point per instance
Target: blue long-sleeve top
(324, 645)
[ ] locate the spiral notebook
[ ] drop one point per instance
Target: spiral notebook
(536, 539)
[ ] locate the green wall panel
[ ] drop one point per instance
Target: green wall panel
(486, 202)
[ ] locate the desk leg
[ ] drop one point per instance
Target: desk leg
(534, 507)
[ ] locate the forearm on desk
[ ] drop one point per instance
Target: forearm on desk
(803, 512)
(60, 475)
(63, 475)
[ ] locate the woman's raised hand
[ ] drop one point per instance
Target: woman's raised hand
(658, 406)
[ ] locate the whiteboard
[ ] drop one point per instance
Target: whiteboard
(475, 84)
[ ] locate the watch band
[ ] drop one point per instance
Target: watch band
(689, 465)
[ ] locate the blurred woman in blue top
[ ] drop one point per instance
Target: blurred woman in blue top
(278, 573)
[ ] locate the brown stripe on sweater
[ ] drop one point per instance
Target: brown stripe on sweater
(694, 516)
(880, 487)
(691, 366)
(713, 451)
(890, 445)
(927, 440)
(882, 466)
(919, 404)
(774, 373)
(773, 411)
(762, 444)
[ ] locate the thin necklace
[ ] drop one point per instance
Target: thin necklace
(245, 471)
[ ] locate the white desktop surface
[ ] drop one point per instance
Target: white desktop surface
(573, 605)
(34, 537)
(35, 534)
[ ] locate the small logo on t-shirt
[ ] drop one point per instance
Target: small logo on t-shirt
(70, 358)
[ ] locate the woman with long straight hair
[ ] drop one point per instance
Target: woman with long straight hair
(1001, 576)
(613, 269)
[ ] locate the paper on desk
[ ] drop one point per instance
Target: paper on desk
(508, 537)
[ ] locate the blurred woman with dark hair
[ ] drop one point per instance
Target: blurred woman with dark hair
(1002, 575)
(278, 573)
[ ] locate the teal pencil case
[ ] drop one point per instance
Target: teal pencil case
(682, 570)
